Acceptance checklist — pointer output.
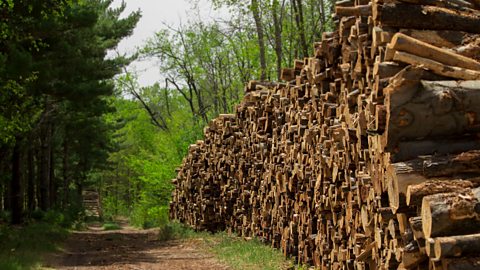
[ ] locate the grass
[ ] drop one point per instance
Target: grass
(110, 226)
(232, 250)
(252, 254)
(24, 247)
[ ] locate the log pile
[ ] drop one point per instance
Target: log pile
(367, 156)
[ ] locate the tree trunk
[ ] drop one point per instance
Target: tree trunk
(52, 182)
(297, 8)
(31, 179)
(277, 23)
(15, 185)
(65, 170)
(44, 165)
(261, 40)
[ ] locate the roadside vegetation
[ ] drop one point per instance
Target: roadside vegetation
(74, 119)
(234, 251)
(25, 247)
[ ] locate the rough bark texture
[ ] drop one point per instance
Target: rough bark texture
(456, 246)
(431, 109)
(415, 193)
(261, 39)
(448, 214)
(426, 17)
(319, 166)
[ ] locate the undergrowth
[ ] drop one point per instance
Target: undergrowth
(246, 254)
(111, 226)
(24, 247)
(232, 250)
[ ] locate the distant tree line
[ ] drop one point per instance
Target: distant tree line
(209, 63)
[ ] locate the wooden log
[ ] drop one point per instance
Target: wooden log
(430, 109)
(437, 67)
(439, 38)
(412, 256)
(408, 150)
(461, 263)
(456, 246)
(361, 10)
(415, 193)
(425, 17)
(387, 69)
(287, 74)
(469, 49)
(399, 177)
(456, 4)
(302, 165)
(404, 43)
(416, 226)
(448, 214)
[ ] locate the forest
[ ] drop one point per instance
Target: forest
(285, 134)
(73, 117)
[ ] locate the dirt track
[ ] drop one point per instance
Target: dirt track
(130, 249)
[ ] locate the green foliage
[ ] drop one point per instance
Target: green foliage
(23, 247)
(137, 181)
(56, 78)
(110, 226)
(245, 254)
(174, 231)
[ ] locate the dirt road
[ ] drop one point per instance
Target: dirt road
(130, 249)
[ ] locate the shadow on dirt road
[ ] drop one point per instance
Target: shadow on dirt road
(131, 249)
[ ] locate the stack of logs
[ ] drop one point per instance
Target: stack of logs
(366, 156)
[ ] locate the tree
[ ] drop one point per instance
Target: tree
(59, 77)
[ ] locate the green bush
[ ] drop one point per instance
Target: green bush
(110, 226)
(5, 217)
(23, 247)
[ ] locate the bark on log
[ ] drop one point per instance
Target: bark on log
(425, 17)
(456, 4)
(361, 10)
(431, 109)
(306, 165)
(411, 149)
(404, 43)
(445, 39)
(461, 264)
(415, 193)
(448, 214)
(456, 246)
(437, 67)
(412, 256)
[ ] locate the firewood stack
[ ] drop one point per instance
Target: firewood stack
(366, 157)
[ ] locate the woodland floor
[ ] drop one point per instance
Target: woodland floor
(132, 249)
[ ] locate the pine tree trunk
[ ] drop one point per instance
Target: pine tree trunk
(45, 168)
(65, 168)
(52, 183)
(15, 185)
(31, 180)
